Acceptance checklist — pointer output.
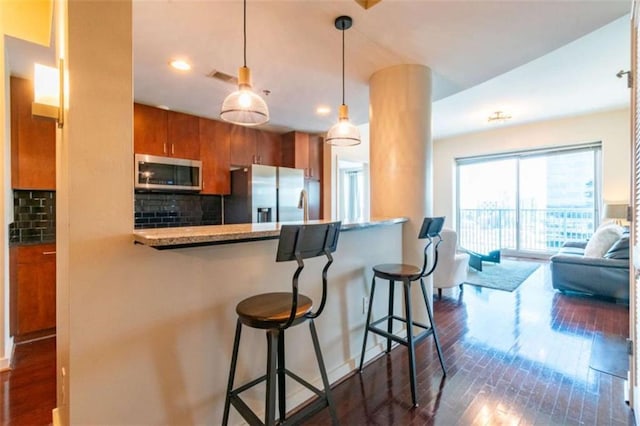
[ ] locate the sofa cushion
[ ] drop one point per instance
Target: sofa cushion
(619, 250)
(602, 240)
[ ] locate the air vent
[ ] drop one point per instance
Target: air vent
(223, 77)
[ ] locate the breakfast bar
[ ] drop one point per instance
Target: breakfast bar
(218, 266)
(180, 237)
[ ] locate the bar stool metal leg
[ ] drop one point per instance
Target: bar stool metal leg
(433, 328)
(270, 399)
(282, 392)
(392, 286)
(410, 344)
(232, 373)
(366, 327)
(323, 373)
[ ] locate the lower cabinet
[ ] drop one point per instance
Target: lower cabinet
(32, 290)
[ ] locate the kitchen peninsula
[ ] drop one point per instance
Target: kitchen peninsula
(214, 267)
(180, 237)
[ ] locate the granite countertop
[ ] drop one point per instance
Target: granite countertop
(171, 238)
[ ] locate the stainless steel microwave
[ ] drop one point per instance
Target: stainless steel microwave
(155, 173)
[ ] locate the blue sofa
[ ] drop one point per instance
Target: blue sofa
(607, 276)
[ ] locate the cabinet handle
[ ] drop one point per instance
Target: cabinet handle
(172, 149)
(48, 252)
(164, 148)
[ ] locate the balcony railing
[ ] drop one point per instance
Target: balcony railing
(542, 230)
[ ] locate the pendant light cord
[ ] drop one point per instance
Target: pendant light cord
(244, 33)
(343, 64)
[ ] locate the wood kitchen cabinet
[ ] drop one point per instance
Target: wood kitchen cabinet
(33, 141)
(32, 290)
(303, 151)
(268, 148)
(214, 154)
(316, 146)
(165, 133)
(253, 146)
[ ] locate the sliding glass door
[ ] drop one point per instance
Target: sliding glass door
(529, 201)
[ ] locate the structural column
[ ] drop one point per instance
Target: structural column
(401, 150)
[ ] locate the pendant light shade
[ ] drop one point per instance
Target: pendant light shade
(343, 133)
(244, 106)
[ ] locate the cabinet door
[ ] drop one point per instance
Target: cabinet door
(315, 157)
(243, 145)
(182, 135)
(314, 194)
(214, 154)
(268, 148)
(33, 142)
(32, 289)
(149, 130)
(295, 151)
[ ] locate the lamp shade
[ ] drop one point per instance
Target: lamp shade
(615, 211)
(343, 133)
(244, 106)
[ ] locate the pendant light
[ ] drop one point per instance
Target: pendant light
(244, 106)
(343, 133)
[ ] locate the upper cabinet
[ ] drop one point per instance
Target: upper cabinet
(33, 142)
(253, 146)
(303, 151)
(183, 139)
(214, 154)
(165, 133)
(316, 153)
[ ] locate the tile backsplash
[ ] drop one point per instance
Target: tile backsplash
(34, 217)
(161, 210)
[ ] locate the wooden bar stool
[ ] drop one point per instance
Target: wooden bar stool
(276, 312)
(407, 274)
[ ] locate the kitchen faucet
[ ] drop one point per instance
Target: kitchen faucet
(303, 203)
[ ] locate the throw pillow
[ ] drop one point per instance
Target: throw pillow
(619, 250)
(602, 240)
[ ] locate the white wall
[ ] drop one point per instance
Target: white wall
(5, 144)
(612, 128)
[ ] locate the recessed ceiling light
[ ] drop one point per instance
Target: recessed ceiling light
(181, 65)
(323, 110)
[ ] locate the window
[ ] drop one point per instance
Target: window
(352, 191)
(529, 201)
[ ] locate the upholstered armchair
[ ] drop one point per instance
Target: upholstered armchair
(452, 265)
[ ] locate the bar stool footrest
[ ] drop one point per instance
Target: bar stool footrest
(247, 413)
(428, 331)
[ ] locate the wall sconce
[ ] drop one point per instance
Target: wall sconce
(48, 84)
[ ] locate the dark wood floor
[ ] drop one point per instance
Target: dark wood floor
(28, 391)
(513, 358)
(518, 358)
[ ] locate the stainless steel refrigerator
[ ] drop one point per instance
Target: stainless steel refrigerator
(264, 194)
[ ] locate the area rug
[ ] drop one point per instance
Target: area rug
(506, 275)
(609, 355)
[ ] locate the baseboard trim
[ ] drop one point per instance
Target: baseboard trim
(55, 417)
(5, 364)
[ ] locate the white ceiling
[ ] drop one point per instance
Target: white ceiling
(294, 51)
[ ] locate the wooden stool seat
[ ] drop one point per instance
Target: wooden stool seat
(269, 310)
(397, 271)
